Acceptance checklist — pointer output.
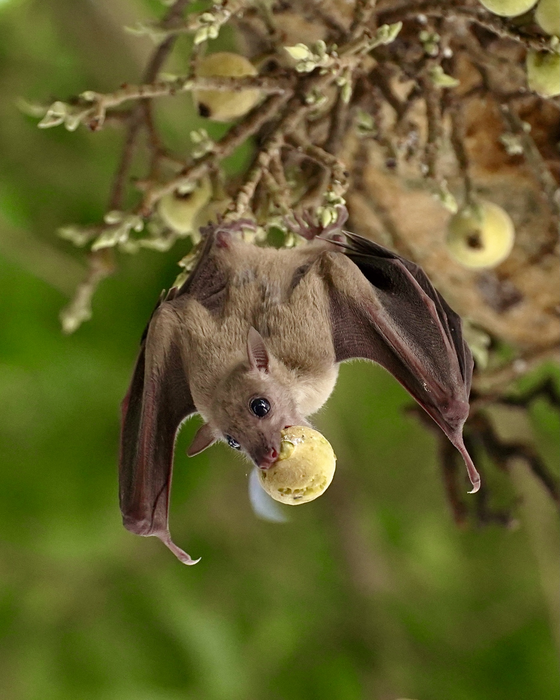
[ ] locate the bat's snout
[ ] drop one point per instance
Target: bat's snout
(267, 459)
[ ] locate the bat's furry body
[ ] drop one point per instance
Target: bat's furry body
(293, 320)
(271, 326)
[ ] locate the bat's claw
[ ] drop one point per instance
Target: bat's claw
(182, 556)
(222, 230)
(304, 224)
(472, 471)
(475, 485)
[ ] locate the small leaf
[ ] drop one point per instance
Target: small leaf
(512, 144)
(73, 121)
(111, 237)
(299, 52)
(114, 217)
(77, 235)
(441, 79)
(446, 199)
(55, 115)
(50, 120)
(386, 34)
(32, 109)
(201, 36)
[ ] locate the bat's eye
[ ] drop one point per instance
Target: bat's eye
(232, 443)
(260, 407)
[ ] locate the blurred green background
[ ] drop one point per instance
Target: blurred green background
(370, 592)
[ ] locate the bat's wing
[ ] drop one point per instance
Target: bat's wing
(157, 402)
(384, 308)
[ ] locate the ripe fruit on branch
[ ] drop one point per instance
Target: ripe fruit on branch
(224, 106)
(547, 15)
(480, 235)
(304, 469)
(508, 8)
(179, 210)
(543, 73)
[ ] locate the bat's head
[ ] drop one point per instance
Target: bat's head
(252, 404)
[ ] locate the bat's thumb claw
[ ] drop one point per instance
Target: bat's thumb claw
(475, 487)
(456, 439)
(474, 476)
(472, 471)
(182, 556)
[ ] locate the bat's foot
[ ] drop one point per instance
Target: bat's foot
(304, 225)
(222, 231)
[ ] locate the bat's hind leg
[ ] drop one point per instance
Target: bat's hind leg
(304, 225)
(221, 232)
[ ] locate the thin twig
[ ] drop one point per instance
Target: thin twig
(101, 264)
(282, 194)
(222, 13)
(234, 138)
(458, 144)
(378, 77)
(546, 389)
(269, 85)
(535, 160)
(432, 98)
(502, 27)
(330, 162)
(247, 190)
(503, 452)
(491, 384)
(363, 16)
(155, 63)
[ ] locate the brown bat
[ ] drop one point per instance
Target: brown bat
(252, 342)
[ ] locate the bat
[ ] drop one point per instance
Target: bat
(252, 342)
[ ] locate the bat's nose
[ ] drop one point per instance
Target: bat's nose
(268, 459)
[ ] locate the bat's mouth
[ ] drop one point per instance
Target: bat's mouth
(268, 460)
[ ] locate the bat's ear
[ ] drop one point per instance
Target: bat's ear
(203, 439)
(257, 352)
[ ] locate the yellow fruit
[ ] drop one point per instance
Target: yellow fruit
(179, 211)
(304, 469)
(508, 8)
(547, 15)
(543, 73)
(210, 213)
(224, 106)
(480, 236)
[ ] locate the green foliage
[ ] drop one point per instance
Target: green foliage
(370, 592)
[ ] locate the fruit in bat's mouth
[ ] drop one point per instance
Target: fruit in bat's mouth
(304, 469)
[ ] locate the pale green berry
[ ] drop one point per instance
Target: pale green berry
(543, 73)
(304, 469)
(210, 213)
(225, 106)
(480, 236)
(547, 15)
(179, 210)
(508, 8)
